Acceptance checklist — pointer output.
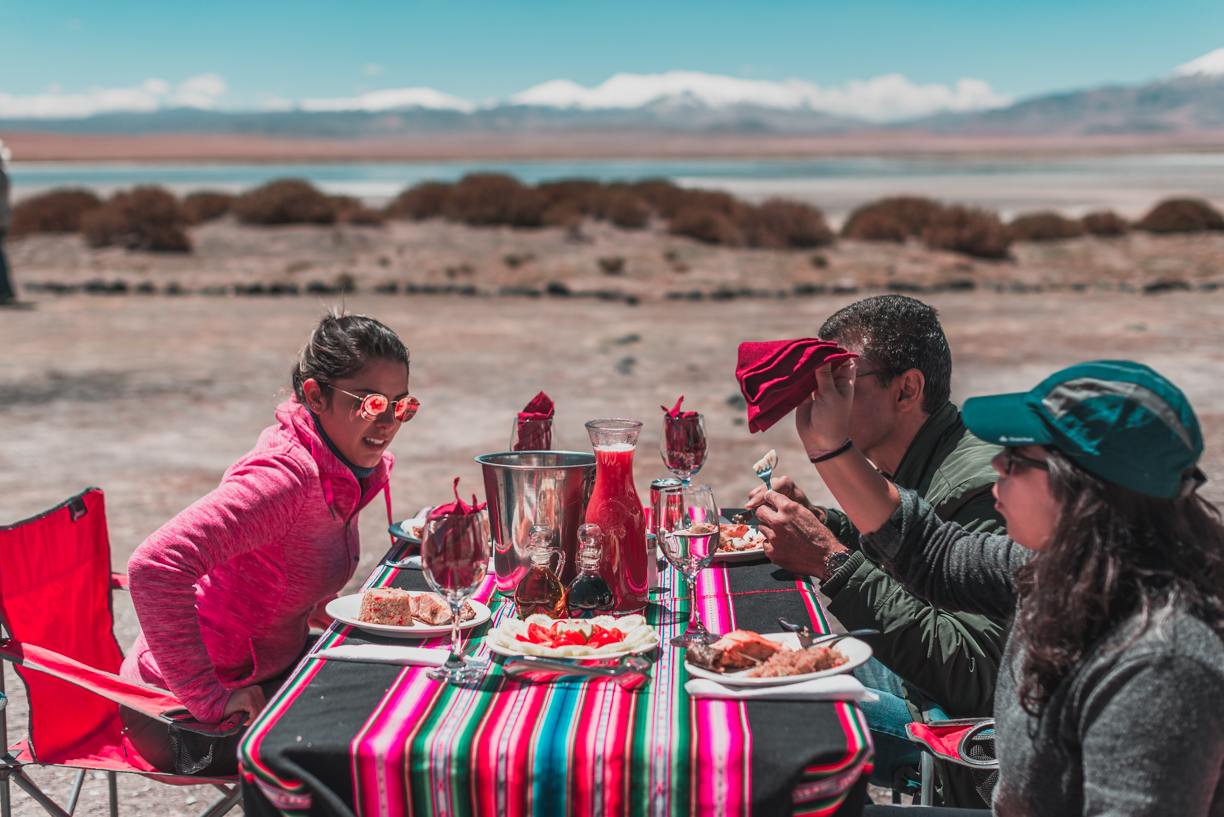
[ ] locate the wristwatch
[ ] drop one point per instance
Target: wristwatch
(834, 561)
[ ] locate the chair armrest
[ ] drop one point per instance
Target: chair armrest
(151, 701)
(949, 740)
(119, 581)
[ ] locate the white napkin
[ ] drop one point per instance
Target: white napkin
(385, 654)
(832, 688)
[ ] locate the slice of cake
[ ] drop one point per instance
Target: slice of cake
(386, 605)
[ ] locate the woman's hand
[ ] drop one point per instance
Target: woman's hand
(823, 422)
(249, 699)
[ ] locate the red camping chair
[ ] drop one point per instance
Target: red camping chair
(966, 742)
(57, 629)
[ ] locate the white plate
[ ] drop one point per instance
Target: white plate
(734, 556)
(509, 652)
(856, 651)
(347, 608)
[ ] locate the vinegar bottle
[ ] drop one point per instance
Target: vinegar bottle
(540, 591)
(588, 594)
(617, 510)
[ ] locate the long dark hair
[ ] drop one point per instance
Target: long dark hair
(1115, 553)
(340, 347)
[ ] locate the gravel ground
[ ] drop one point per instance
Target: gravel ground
(152, 398)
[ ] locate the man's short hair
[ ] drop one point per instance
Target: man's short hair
(896, 333)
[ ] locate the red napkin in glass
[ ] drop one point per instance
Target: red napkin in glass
(535, 424)
(686, 442)
(778, 375)
(458, 507)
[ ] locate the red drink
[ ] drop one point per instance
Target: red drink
(616, 508)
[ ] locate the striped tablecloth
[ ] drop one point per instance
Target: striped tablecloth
(385, 741)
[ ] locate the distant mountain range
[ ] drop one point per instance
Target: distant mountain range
(1191, 99)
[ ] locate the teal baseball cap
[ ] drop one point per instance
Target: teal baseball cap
(1119, 420)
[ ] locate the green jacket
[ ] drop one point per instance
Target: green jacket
(948, 659)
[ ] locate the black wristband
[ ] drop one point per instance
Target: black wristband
(846, 447)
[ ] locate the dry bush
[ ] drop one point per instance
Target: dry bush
(705, 224)
(626, 209)
(968, 230)
(1105, 223)
(570, 195)
(146, 218)
(1182, 216)
(663, 196)
(350, 210)
(284, 201)
(495, 198)
(419, 202)
(58, 211)
(882, 220)
(783, 224)
(206, 206)
(1045, 226)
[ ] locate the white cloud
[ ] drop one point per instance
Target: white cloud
(1208, 65)
(887, 98)
(197, 92)
(391, 99)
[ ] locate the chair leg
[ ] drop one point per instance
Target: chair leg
(927, 770)
(75, 794)
(112, 784)
(6, 808)
(36, 794)
(230, 797)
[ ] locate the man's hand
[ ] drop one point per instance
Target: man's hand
(782, 485)
(247, 699)
(794, 539)
(823, 422)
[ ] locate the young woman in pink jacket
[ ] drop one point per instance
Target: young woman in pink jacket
(225, 592)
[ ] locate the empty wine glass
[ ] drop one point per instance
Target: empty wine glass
(455, 554)
(683, 445)
(688, 533)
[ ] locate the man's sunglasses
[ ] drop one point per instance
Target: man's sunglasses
(1012, 458)
(373, 405)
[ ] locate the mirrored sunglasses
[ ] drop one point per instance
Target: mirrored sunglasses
(373, 405)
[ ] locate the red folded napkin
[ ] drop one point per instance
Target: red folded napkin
(686, 441)
(778, 375)
(458, 507)
(535, 424)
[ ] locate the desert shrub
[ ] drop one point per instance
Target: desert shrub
(419, 202)
(663, 196)
(284, 201)
(58, 211)
(880, 220)
(1105, 223)
(1182, 216)
(784, 224)
(705, 224)
(572, 194)
(205, 206)
(146, 218)
(495, 198)
(968, 230)
(1043, 227)
(350, 210)
(876, 227)
(626, 209)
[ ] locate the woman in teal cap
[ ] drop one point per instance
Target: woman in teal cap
(1113, 700)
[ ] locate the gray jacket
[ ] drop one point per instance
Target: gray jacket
(1138, 726)
(6, 207)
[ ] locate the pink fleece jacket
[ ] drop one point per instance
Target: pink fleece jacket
(224, 590)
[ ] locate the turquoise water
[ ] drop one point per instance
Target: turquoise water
(1127, 182)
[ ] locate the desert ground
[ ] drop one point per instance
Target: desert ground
(151, 397)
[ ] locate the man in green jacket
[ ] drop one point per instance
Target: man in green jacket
(905, 424)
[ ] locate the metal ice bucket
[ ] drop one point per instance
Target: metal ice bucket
(527, 488)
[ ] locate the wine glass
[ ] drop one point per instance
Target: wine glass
(535, 434)
(688, 532)
(455, 554)
(683, 445)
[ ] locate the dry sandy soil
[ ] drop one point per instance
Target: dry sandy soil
(151, 398)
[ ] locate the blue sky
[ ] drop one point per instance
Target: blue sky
(480, 49)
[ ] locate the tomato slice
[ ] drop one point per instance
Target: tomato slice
(524, 639)
(538, 635)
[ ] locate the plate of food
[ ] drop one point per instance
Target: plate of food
(745, 658)
(410, 530)
(739, 543)
(404, 613)
(598, 637)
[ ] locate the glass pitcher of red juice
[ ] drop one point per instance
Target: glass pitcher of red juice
(616, 508)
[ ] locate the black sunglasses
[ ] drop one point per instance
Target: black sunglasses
(1012, 458)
